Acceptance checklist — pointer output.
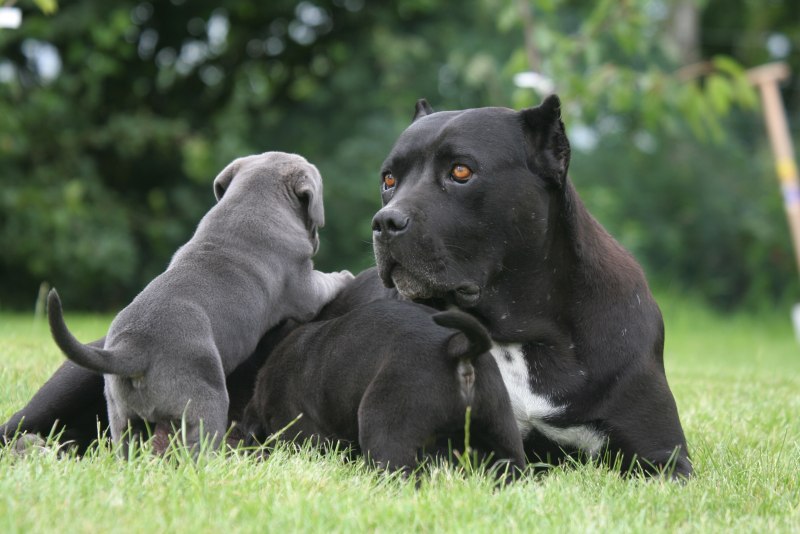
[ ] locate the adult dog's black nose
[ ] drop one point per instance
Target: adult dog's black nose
(389, 223)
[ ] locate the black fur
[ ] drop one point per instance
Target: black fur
(388, 379)
(515, 246)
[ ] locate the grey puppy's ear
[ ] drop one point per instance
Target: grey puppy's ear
(224, 179)
(308, 189)
(421, 109)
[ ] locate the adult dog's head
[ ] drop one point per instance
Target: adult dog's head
(468, 195)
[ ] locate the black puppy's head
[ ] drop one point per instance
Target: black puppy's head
(466, 195)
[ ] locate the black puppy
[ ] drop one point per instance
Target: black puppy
(390, 377)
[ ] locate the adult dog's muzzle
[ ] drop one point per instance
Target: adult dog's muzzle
(389, 223)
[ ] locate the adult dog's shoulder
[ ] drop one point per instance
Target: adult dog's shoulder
(479, 213)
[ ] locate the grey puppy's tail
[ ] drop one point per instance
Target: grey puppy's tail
(92, 358)
(472, 339)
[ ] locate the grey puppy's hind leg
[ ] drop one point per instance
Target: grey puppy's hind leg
(201, 410)
(206, 424)
(117, 422)
(125, 429)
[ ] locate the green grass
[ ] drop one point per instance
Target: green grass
(736, 380)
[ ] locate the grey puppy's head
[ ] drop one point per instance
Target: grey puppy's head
(300, 178)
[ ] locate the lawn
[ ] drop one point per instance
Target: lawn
(736, 380)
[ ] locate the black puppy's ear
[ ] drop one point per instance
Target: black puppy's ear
(548, 146)
(224, 179)
(421, 109)
(308, 189)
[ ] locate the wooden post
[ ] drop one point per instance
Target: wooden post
(766, 78)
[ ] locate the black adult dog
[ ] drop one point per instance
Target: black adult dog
(479, 213)
(391, 378)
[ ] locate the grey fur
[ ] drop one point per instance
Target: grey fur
(247, 267)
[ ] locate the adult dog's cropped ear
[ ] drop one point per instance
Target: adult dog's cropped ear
(421, 109)
(308, 188)
(548, 146)
(223, 180)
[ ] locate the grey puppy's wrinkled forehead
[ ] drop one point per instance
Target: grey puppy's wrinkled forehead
(280, 165)
(270, 169)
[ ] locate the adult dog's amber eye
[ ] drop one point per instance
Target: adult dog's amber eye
(389, 181)
(461, 173)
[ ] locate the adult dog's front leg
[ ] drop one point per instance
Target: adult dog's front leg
(71, 400)
(644, 427)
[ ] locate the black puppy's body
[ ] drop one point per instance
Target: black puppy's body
(479, 212)
(387, 378)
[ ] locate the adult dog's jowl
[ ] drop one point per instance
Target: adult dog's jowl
(479, 213)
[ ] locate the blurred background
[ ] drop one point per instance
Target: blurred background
(116, 116)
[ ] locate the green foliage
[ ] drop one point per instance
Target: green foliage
(107, 164)
(700, 217)
(618, 57)
(152, 100)
(48, 7)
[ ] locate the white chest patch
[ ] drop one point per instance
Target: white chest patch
(532, 410)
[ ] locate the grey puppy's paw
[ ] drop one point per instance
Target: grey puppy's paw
(345, 277)
(339, 281)
(328, 285)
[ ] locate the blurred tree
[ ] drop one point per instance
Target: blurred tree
(115, 118)
(623, 58)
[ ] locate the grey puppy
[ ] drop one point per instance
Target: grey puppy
(247, 268)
